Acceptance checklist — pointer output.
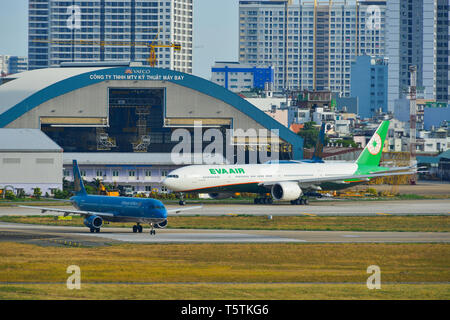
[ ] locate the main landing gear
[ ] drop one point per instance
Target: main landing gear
(263, 200)
(96, 230)
(137, 228)
(300, 201)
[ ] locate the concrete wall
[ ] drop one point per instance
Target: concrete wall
(28, 170)
(140, 180)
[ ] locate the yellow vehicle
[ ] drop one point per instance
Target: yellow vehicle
(106, 192)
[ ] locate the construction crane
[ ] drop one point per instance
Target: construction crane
(152, 59)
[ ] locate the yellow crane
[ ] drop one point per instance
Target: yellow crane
(152, 59)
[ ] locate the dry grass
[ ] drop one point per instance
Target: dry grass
(226, 291)
(377, 223)
(258, 263)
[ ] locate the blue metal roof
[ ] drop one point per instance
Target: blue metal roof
(79, 78)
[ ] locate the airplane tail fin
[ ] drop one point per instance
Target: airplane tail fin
(371, 155)
(78, 181)
(318, 151)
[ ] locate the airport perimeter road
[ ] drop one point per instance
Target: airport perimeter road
(323, 207)
(36, 233)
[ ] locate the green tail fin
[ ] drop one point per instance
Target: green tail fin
(371, 155)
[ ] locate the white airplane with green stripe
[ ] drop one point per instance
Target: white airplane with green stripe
(285, 180)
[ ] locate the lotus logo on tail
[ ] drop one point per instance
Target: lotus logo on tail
(374, 145)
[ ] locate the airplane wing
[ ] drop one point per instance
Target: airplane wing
(342, 178)
(397, 169)
(178, 210)
(68, 211)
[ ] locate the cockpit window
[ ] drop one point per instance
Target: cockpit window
(175, 176)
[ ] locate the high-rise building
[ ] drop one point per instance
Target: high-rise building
(418, 36)
(369, 83)
(100, 30)
(442, 51)
(311, 44)
(12, 64)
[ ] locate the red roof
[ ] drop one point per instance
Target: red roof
(296, 127)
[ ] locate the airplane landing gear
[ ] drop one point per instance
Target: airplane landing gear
(263, 200)
(96, 230)
(300, 201)
(137, 228)
(152, 231)
(182, 202)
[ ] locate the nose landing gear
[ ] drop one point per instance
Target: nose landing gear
(182, 202)
(152, 231)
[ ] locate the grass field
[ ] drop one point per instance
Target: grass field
(227, 262)
(226, 291)
(378, 223)
(226, 271)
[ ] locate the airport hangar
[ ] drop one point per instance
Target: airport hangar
(117, 119)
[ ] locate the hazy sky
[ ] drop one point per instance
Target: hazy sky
(215, 31)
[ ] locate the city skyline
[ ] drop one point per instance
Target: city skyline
(215, 36)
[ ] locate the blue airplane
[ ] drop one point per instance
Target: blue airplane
(96, 209)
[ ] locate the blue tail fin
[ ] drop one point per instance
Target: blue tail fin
(318, 151)
(78, 181)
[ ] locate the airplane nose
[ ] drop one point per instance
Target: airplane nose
(169, 183)
(166, 182)
(164, 213)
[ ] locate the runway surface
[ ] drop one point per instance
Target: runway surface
(50, 234)
(325, 208)
(61, 234)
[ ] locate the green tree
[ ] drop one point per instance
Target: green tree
(37, 193)
(310, 134)
(62, 194)
(346, 143)
(10, 195)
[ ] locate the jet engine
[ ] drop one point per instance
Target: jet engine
(160, 225)
(93, 222)
(286, 191)
(217, 195)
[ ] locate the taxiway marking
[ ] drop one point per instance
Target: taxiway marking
(309, 214)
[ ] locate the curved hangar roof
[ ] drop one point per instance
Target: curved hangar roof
(32, 88)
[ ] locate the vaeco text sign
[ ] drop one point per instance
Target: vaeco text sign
(137, 74)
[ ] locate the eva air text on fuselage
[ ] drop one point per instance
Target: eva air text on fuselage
(227, 171)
